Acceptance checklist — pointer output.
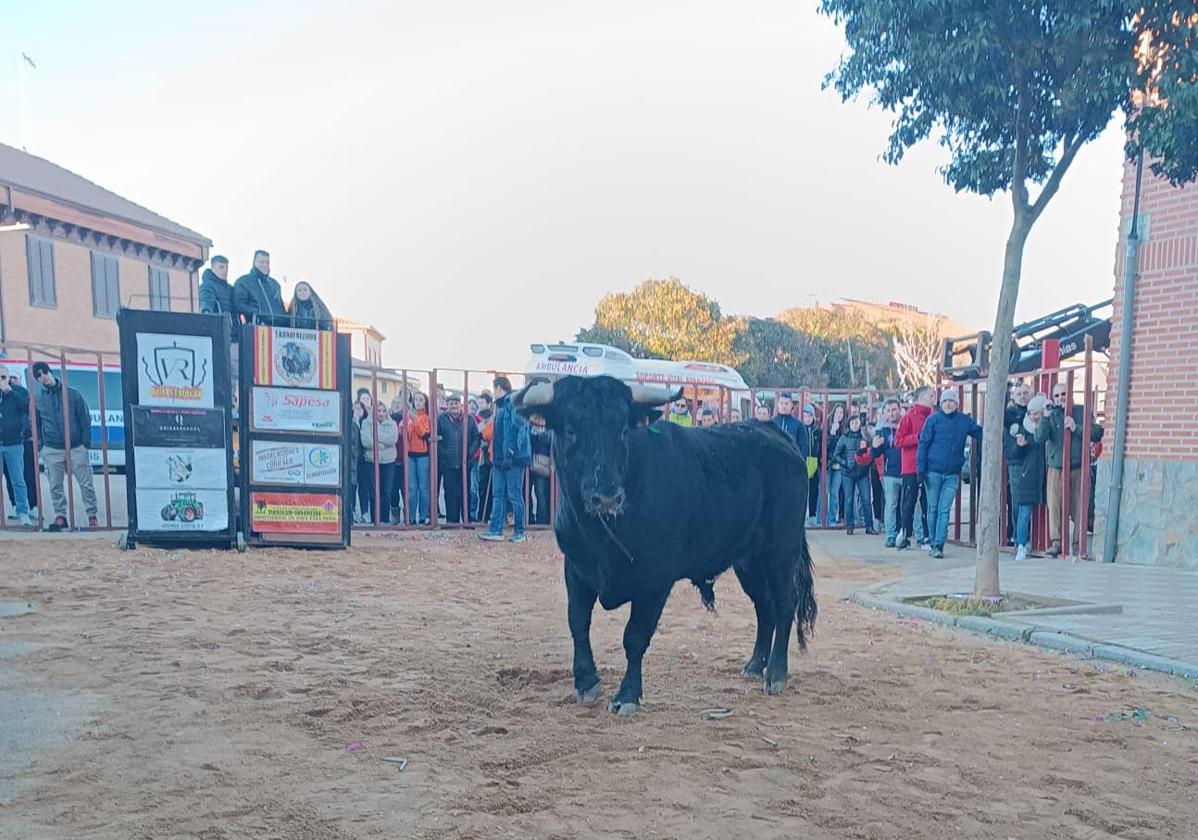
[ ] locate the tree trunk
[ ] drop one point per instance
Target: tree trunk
(989, 512)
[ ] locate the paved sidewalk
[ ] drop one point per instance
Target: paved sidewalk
(1159, 605)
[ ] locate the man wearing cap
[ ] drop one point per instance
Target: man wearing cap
(451, 458)
(938, 462)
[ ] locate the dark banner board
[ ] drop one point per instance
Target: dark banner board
(176, 378)
(193, 428)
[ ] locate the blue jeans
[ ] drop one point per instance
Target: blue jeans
(386, 485)
(507, 487)
(834, 482)
(892, 491)
(942, 489)
(1023, 525)
(14, 465)
(417, 489)
(858, 487)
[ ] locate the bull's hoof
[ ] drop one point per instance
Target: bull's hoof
(588, 696)
(625, 708)
(754, 669)
(774, 686)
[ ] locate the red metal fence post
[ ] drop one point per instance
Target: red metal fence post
(1083, 503)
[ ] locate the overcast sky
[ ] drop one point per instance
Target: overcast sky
(473, 176)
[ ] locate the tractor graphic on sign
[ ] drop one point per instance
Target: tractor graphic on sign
(183, 506)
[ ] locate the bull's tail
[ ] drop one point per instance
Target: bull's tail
(804, 582)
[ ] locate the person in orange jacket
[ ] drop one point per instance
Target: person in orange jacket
(417, 431)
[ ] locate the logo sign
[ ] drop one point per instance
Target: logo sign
(167, 468)
(295, 513)
(306, 464)
(174, 370)
(187, 428)
(294, 410)
(181, 510)
(294, 358)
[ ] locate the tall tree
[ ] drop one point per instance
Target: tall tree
(775, 353)
(1013, 90)
(664, 319)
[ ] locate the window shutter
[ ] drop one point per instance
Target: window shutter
(112, 287)
(33, 254)
(49, 292)
(97, 284)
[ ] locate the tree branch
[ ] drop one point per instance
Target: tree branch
(1019, 167)
(1072, 147)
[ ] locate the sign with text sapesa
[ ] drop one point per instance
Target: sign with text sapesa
(178, 447)
(296, 387)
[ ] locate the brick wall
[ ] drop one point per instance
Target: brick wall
(1164, 381)
(72, 322)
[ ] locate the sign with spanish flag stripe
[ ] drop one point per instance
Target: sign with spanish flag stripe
(295, 513)
(291, 358)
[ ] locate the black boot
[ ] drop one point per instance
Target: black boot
(849, 530)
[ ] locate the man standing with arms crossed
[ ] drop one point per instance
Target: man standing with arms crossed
(52, 436)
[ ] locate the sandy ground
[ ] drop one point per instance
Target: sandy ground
(215, 695)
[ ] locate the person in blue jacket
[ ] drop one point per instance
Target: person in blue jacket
(790, 426)
(938, 462)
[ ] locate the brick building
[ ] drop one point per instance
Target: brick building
(72, 253)
(1158, 520)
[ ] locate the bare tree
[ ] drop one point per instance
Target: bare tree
(916, 351)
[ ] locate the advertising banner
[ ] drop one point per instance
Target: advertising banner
(167, 468)
(175, 370)
(310, 464)
(182, 510)
(187, 428)
(295, 410)
(295, 513)
(295, 358)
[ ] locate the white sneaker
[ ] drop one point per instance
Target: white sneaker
(1021, 553)
(31, 521)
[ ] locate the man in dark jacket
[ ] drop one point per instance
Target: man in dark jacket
(52, 435)
(512, 446)
(257, 297)
(1057, 418)
(1013, 414)
(450, 458)
(790, 426)
(883, 446)
(938, 462)
(14, 420)
(216, 295)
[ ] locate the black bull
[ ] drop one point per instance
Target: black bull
(641, 508)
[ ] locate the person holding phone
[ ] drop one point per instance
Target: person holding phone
(1025, 471)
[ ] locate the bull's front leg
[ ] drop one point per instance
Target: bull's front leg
(642, 622)
(580, 600)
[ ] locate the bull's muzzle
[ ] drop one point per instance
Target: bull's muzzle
(602, 504)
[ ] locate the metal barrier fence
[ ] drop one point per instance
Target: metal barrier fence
(71, 367)
(385, 485)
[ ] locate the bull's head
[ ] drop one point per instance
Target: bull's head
(590, 419)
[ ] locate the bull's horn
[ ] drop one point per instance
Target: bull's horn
(653, 394)
(534, 394)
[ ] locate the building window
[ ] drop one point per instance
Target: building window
(160, 289)
(106, 286)
(40, 255)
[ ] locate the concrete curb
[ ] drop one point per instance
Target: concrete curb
(1032, 635)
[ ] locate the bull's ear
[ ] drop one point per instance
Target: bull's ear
(536, 398)
(643, 415)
